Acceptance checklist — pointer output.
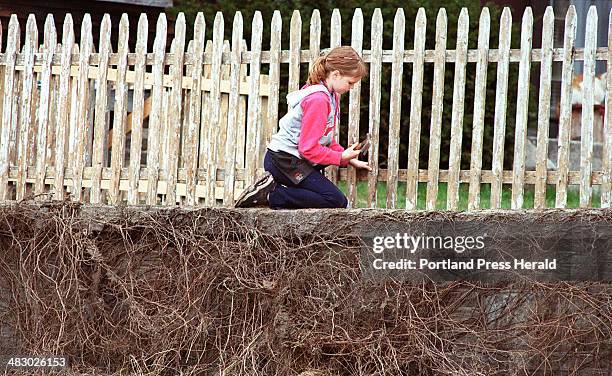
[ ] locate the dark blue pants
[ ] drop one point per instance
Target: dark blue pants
(315, 191)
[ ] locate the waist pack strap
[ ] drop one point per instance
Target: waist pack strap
(294, 168)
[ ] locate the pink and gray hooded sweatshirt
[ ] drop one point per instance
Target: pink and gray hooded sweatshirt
(306, 131)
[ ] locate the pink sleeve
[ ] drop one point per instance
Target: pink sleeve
(315, 109)
(337, 147)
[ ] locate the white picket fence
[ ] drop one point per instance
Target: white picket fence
(207, 122)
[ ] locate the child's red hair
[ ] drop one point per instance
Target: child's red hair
(343, 59)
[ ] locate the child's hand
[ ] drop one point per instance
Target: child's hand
(360, 164)
(350, 153)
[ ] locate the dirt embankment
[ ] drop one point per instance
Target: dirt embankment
(259, 292)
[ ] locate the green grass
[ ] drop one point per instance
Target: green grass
(573, 198)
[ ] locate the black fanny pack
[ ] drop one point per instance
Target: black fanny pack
(294, 168)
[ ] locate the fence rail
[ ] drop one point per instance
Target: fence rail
(189, 121)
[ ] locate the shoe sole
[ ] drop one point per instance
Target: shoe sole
(262, 183)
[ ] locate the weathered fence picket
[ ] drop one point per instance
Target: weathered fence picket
(44, 106)
(175, 110)
(33, 131)
(78, 164)
(232, 115)
(99, 134)
(354, 104)
(137, 115)
(565, 116)
(522, 106)
(588, 100)
(270, 125)
(10, 55)
(154, 139)
(66, 109)
(51, 130)
(315, 38)
(184, 129)
(295, 46)
(163, 131)
(16, 112)
(397, 70)
(544, 109)
(74, 96)
(253, 139)
(454, 159)
(195, 103)
(501, 101)
(435, 128)
(205, 114)
(416, 102)
(335, 41)
(24, 145)
(374, 118)
(241, 133)
(214, 112)
(120, 112)
(223, 117)
(606, 186)
(479, 110)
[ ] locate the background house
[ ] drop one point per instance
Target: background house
(96, 8)
(560, 8)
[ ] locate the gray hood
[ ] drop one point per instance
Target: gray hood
(294, 98)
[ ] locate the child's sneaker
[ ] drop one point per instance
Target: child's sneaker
(257, 193)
